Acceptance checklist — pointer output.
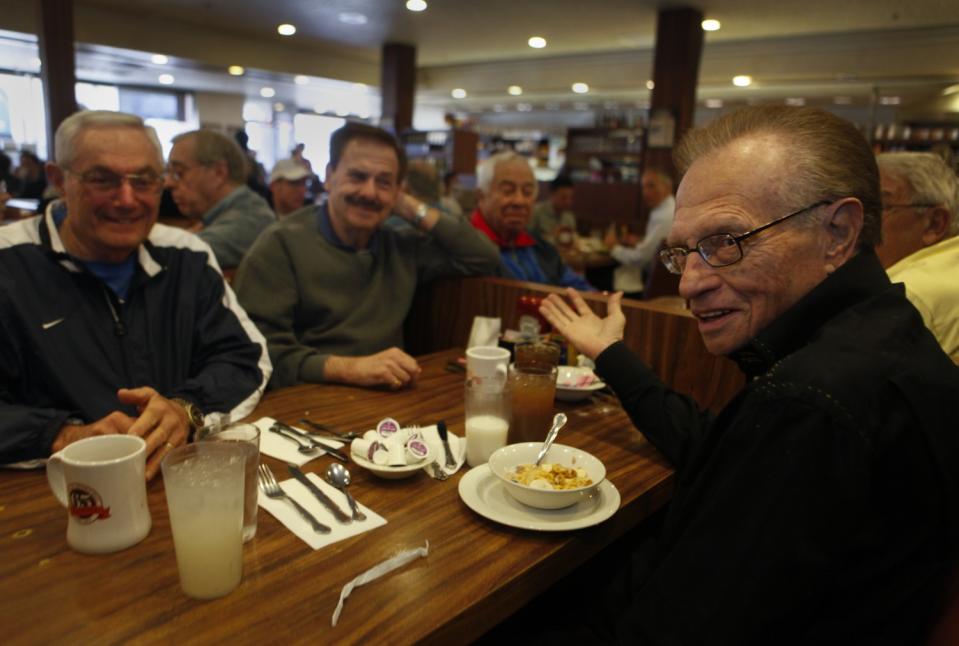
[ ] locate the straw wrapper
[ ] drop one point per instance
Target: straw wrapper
(376, 572)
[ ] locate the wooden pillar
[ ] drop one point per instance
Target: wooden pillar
(679, 46)
(58, 64)
(398, 84)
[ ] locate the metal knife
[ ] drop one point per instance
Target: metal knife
(329, 448)
(441, 429)
(316, 491)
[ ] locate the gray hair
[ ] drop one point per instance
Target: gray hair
(213, 147)
(64, 141)
(422, 181)
(487, 168)
(929, 178)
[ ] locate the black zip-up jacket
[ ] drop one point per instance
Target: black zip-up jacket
(68, 343)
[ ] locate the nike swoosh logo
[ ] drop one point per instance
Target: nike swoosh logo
(50, 324)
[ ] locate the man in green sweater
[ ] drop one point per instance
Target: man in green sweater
(330, 288)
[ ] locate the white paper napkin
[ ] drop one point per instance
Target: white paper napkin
(277, 446)
(485, 331)
(284, 512)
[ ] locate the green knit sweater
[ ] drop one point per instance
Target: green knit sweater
(312, 299)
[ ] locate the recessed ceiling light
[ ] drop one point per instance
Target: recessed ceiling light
(286, 29)
(416, 5)
(458, 93)
(300, 79)
(352, 18)
(166, 79)
(714, 103)
(650, 85)
(537, 42)
(710, 25)
(742, 80)
(267, 92)
(795, 101)
(889, 100)
(842, 100)
(235, 70)
(279, 107)
(159, 59)
(515, 90)
(580, 88)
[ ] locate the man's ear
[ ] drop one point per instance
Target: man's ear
(843, 225)
(55, 176)
(937, 225)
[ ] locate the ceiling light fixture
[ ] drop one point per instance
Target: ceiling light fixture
(650, 85)
(278, 107)
(300, 79)
(580, 88)
(536, 42)
(416, 5)
(352, 18)
(236, 70)
(458, 93)
(286, 29)
(710, 24)
(159, 59)
(267, 92)
(742, 80)
(166, 79)
(515, 90)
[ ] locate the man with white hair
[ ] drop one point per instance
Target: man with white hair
(821, 504)
(506, 192)
(920, 219)
(109, 322)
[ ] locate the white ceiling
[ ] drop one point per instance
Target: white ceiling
(813, 49)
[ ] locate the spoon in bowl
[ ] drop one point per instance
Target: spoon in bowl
(339, 477)
(559, 421)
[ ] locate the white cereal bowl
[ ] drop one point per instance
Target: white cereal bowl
(504, 461)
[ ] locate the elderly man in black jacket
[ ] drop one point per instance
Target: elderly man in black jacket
(820, 505)
(109, 322)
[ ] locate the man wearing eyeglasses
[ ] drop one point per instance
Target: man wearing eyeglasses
(920, 219)
(820, 505)
(110, 323)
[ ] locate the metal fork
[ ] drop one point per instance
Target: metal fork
(272, 489)
(436, 471)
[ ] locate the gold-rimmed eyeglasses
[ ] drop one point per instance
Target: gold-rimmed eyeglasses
(722, 249)
(106, 181)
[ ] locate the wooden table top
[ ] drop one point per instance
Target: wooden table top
(478, 572)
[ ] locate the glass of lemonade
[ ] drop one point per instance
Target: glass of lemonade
(248, 437)
(487, 420)
(204, 484)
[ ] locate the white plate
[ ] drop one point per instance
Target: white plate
(485, 494)
(457, 446)
(571, 394)
(391, 473)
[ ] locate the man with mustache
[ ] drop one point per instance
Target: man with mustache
(506, 194)
(110, 322)
(820, 505)
(330, 287)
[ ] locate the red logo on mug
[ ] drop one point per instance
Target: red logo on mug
(86, 505)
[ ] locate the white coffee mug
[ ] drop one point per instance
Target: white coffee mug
(487, 364)
(100, 480)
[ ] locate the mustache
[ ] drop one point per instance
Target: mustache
(363, 203)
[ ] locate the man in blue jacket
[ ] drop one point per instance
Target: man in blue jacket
(109, 322)
(507, 192)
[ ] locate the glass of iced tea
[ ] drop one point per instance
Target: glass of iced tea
(532, 381)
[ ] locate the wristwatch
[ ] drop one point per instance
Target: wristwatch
(194, 416)
(420, 214)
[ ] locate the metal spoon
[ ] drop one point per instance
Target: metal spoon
(339, 477)
(559, 421)
(301, 447)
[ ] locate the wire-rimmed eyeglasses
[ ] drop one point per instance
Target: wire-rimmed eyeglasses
(722, 249)
(106, 181)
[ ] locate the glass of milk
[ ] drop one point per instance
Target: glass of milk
(204, 484)
(487, 420)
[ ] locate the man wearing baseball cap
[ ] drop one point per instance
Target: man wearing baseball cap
(288, 186)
